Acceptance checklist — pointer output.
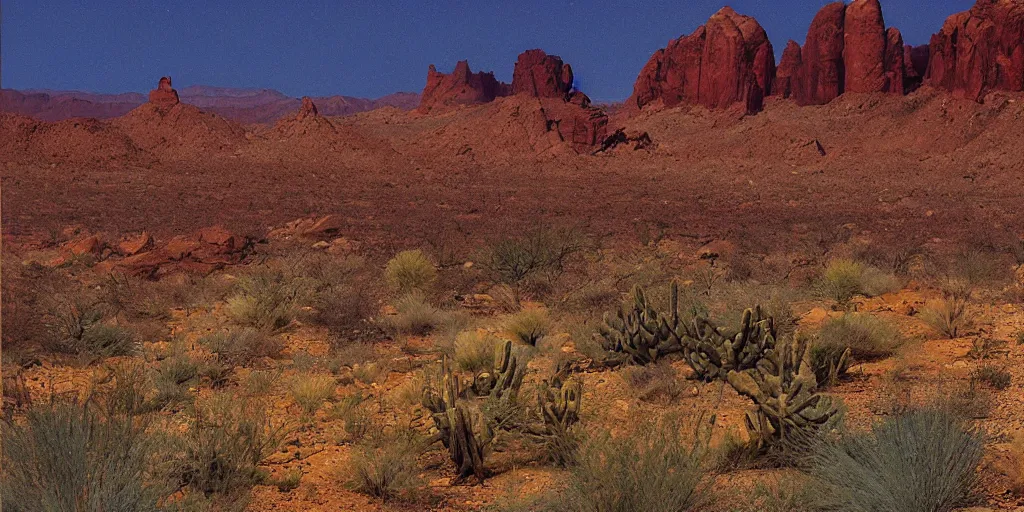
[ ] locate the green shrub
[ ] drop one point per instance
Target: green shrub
(923, 461)
(243, 346)
(950, 316)
(267, 299)
(843, 279)
(385, 466)
(75, 325)
(410, 271)
(996, 377)
(415, 316)
(474, 351)
(529, 326)
(68, 457)
(789, 493)
(867, 336)
(107, 340)
(654, 469)
(311, 391)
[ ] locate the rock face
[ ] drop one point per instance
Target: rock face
(787, 74)
(164, 97)
(915, 66)
(727, 61)
(848, 48)
(864, 44)
(461, 87)
(980, 50)
(823, 74)
(541, 75)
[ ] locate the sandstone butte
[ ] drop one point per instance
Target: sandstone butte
(460, 87)
(541, 75)
(164, 97)
(980, 50)
(727, 61)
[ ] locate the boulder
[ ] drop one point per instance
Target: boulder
(132, 245)
(727, 61)
(164, 96)
(461, 87)
(541, 75)
(979, 50)
(87, 245)
(202, 252)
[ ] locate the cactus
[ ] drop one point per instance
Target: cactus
(460, 428)
(506, 377)
(558, 406)
(641, 334)
(713, 354)
(788, 409)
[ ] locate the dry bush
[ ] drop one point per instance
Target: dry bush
(655, 469)
(260, 382)
(951, 316)
(225, 442)
(535, 256)
(266, 298)
(409, 272)
(355, 416)
(71, 457)
(729, 300)
(243, 346)
(415, 316)
(923, 460)
(843, 279)
(172, 377)
(653, 382)
(76, 325)
(474, 351)
(867, 337)
(529, 326)
(789, 493)
(310, 391)
(384, 466)
(993, 376)
(343, 291)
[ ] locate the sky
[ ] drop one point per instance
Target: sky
(370, 48)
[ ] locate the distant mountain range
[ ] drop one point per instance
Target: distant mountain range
(242, 105)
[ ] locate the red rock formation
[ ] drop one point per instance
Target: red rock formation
(541, 75)
(864, 44)
(893, 65)
(848, 48)
(915, 66)
(729, 60)
(461, 87)
(308, 109)
(980, 50)
(164, 97)
(823, 74)
(788, 73)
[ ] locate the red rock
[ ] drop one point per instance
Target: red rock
(180, 247)
(864, 47)
(218, 236)
(541, 75)
(135, 244)
(308, 109)
(728, 61)
(894, 64)
(88, 245)
(822, 76)
(787, 75)
(461, 87)
(979, 50)
(164, 96)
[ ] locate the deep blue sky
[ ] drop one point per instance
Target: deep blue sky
(370, 48)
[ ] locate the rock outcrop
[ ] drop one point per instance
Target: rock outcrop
(915, 66)
(727, 61)
(308, 109)
(541, 75)
(848, 48)
(164, 96)
(460, 87)
(979, 50)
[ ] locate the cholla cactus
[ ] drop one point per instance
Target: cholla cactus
(713, 354)
(460, 428)
(642, 334)
(788, 408)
